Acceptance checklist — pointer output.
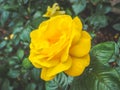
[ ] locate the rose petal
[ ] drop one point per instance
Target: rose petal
(40, 61)
(77, 29)
(49, 73)
(37, 37)
(77, 24)
(65, 52)
(60, 23)
(78, 65)
(43, 25)
(44, 75)
(38, 33)
(83, 47)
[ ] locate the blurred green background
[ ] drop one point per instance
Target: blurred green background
(101, 18)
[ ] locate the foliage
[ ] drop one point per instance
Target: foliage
(19, 17)
(100, 74)
(61, 82)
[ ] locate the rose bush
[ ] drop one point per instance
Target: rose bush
(59, 44)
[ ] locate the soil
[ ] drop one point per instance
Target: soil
(106, 35)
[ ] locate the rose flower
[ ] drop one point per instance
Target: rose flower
(60, 45)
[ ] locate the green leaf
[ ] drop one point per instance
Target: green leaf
(6, 85)
(10, 7)
(3, 17)
(118, 43)
(16, 40)
(35, 74)
(63, 80)
(60, 82)
(26, 63)
(41, 85)
(31, 86)
(20, 53)
(116, 49)
(98, 21)
(37, 14)
(2, 44)
(103, 8)
(1, 1)
(100, 78)
(117, 26)
(51, 85)
(35, 22)
(25, 34)
(13, 73)
(78, 6)
(25, 1)
(17, 28)
(68, 11)
(118, 70)
(73, 1)
(12, 62)
(103, 52)
(8, 48)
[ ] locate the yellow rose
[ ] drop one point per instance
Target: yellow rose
(60, 45)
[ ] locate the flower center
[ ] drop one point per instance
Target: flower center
(53, 40)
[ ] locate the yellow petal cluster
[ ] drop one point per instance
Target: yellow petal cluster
(60, 45)
(11, 36)
(53, 11)
(6, 38)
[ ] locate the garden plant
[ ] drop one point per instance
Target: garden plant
(59, 44)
